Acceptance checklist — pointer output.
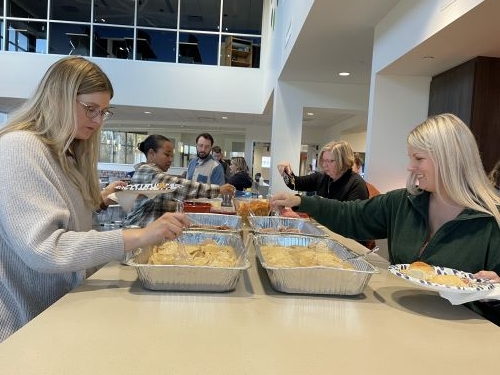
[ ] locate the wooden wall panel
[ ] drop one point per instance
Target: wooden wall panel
(472, 92)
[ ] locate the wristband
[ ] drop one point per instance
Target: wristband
(295, 208)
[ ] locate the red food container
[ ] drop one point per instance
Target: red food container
(203, 207)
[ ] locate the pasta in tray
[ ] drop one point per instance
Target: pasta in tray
(208, 253)
(249, 207)
(301, 256)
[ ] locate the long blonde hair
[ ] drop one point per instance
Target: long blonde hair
(240, 163)
(459, 171)
(50, 114)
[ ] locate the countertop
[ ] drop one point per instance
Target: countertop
(112, 325)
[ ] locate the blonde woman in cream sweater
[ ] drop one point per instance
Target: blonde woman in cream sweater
(49, 190)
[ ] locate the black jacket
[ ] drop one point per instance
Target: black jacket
(350, 186)
(241, 181)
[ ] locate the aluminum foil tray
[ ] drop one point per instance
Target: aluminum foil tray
(319, 279)
(192, 278)
(280, 225)
(212, 221)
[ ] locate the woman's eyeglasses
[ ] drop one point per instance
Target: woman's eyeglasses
(93, 111)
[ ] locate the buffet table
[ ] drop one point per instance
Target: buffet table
(112, 325)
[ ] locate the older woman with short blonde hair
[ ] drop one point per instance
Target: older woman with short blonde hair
(336, 180)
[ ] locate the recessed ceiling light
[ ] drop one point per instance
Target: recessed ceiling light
(147, 112)
(310, 114)
(224, 117)
(344, 74)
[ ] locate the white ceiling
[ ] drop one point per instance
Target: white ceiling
(337, 36)
(345, 29)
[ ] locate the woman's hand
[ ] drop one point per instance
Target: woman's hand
(282, 200)
(227, 189)
(288, 212)
(169, 226)
(489, 275)
(111, 188)
(283, 167)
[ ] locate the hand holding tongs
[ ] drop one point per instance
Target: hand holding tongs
(289, 178)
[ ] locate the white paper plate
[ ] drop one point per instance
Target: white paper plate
(476, 284)
(126, 198)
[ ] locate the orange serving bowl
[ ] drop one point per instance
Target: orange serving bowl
(203, 207)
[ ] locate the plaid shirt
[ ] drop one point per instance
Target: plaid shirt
(147, 210)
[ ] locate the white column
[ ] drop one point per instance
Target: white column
(397, 105)
(286, 133)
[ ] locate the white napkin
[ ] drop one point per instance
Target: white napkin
(112, 196)
(459, 298)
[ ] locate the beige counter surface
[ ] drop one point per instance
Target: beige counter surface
(111, 325)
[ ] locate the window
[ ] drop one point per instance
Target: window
(120, 147)
(26, 36)
(180, 31)
(266, 162)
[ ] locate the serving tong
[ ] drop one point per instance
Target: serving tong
(289, 179)
(357, 256)
(241, 258)
(182, 250)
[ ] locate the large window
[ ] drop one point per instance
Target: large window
(119, 147)
(175, 31)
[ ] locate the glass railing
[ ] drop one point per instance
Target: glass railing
(224, 32)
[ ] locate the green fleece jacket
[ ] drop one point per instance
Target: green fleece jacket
(471, 242)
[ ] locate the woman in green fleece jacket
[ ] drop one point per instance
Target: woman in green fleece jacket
(448, 215)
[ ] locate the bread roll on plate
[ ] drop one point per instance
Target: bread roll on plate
(420, 270)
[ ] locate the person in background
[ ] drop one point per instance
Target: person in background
(494, 176)
(204, 168)
(448, 214)
(372, 190)
(357, 168)
(310, 169)
(50, 188)
(159, 152)
(240, 177)
(217, 155)
(336, 181)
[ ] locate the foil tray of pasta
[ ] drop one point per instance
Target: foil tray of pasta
(214, 222)
(311, 265)
(197, 261)
(284, 225)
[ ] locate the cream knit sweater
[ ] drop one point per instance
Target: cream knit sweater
(46, 241)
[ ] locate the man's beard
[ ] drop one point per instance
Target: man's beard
(202, 155)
